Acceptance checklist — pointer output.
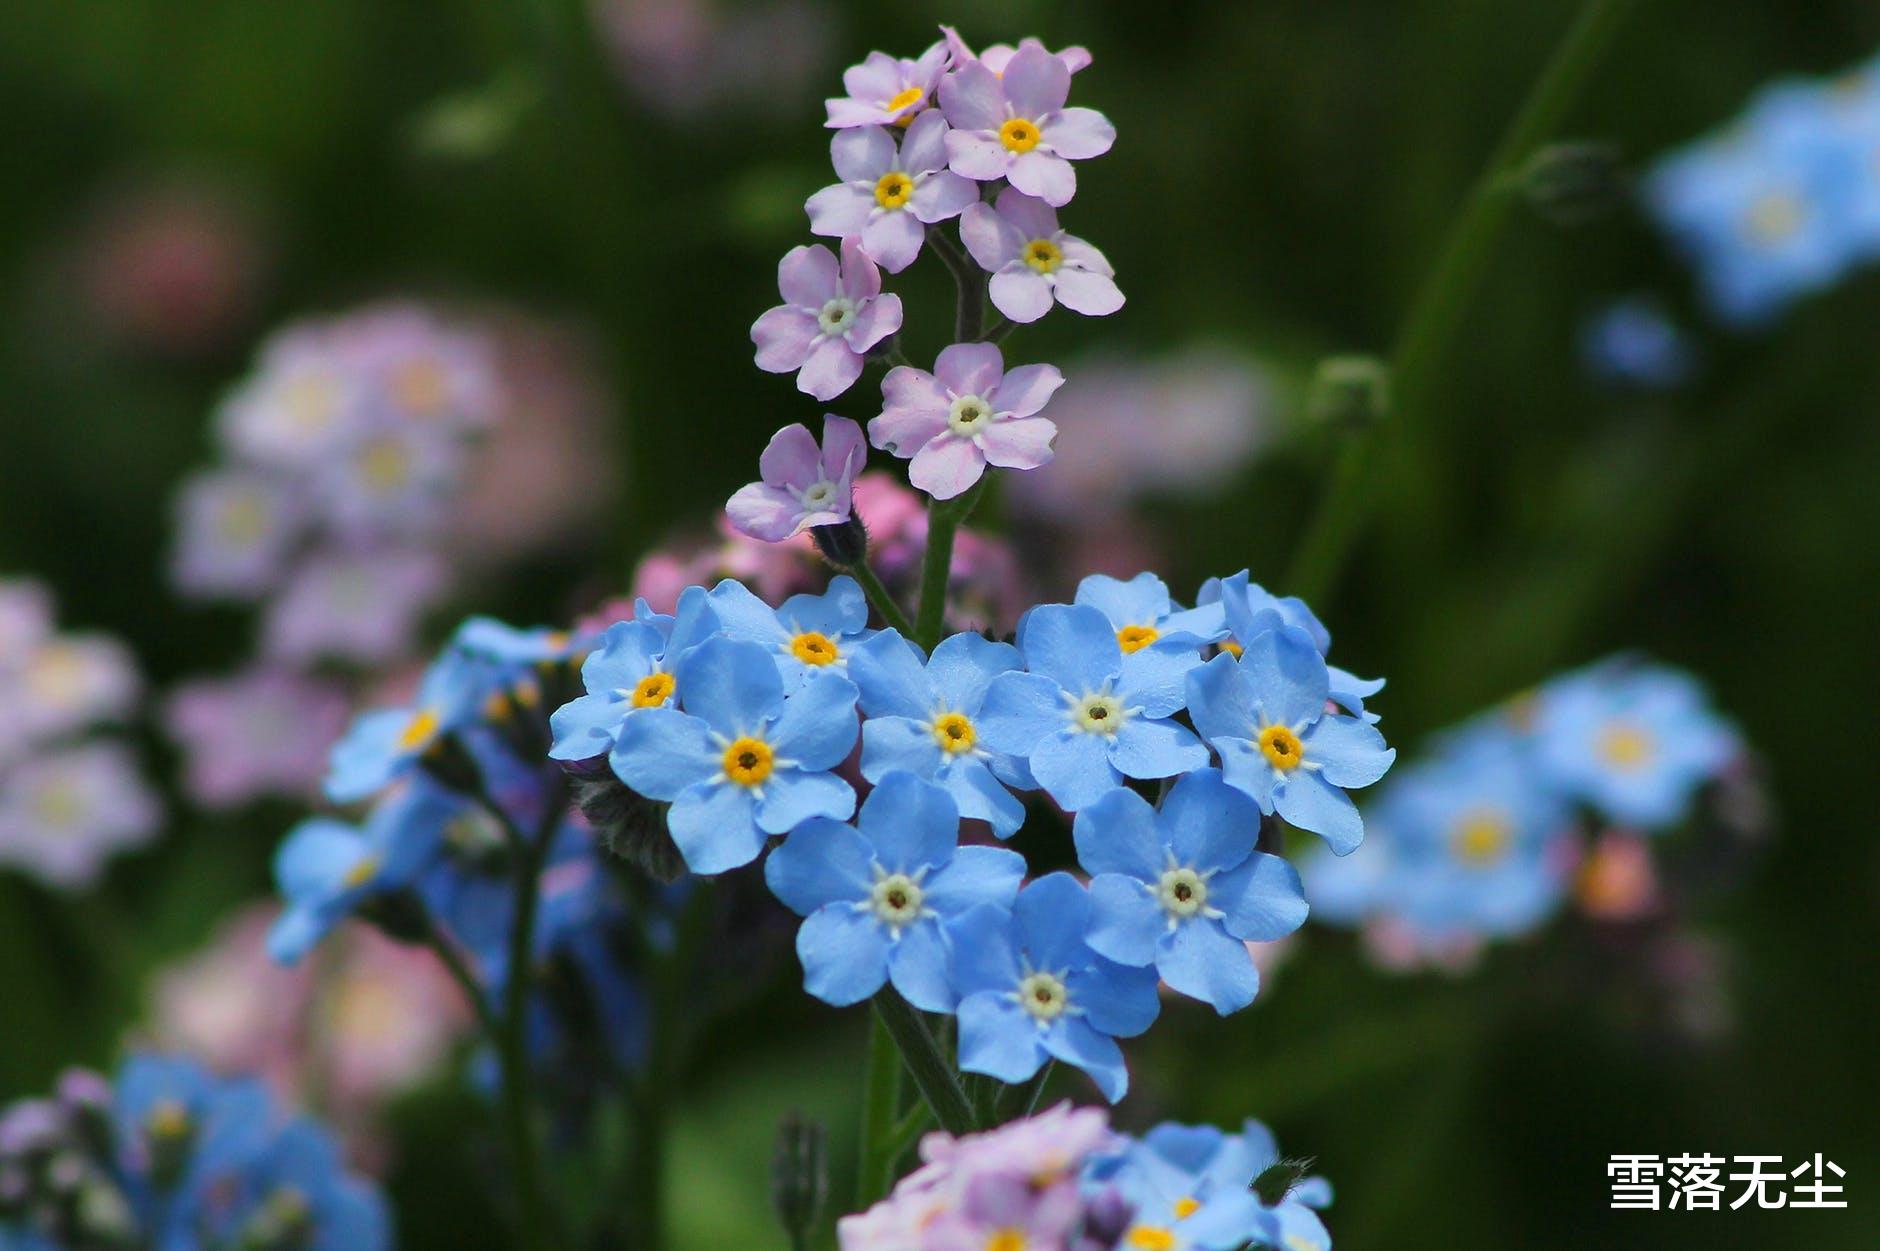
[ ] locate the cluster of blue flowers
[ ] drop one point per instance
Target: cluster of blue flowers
(461, 796)
(1783, 202)
(172, 1157)
(1480, 839)
(737, 719)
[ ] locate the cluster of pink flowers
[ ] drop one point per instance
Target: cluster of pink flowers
(985, 141)
(70, 796)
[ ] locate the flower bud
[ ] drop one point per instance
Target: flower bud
(400, 915)
(1277, 1181)
(1352, 392)
(1572, 183)
(844, 544)
(799, 1177)
(627, 823)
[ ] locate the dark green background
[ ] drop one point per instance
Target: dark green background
(1283, 174)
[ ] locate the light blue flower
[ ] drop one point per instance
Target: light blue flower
(634, 668)
(809, 636)
(877, 898)
(1633, 343)
(1082, 719)
(924, 719)
(743, 760)
(1030, 988)
(1250, 610)
(1183, 888)
(326, 869)
(1141, 611)
(386, 744)
(1635, 744)
(1265, 713)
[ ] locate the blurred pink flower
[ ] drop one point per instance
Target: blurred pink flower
(264, 731)
(1616, 879)
(362, 607)
(684, 57)
(65, 812)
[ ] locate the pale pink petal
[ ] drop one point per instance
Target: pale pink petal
(765, 512)
(932, 63)
(1080, 255)
(998, 56)
(990, 236)
(977, 154)
(909, 388)
(943, 195)
(845, 113)
(862, 154)
(844, 450)
(860, 279)
(1021, 293)
(839, 211)
(1025, 390)
(878, 319)
(1044, 175)
(924, 147)
(903, 431)
(783, 337)
(877, 79)
(807, 276)
(1031, 217)
(1018, 442)
(1092, 294)
(1075, 58)
(893, 239)
(1077, 133)
(1036, 83)
(831, 369)
(956, 46)
(791, 458)
(970, 368)
(946, 466)
(973, 99)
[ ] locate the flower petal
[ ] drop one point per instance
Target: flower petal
(711, 825)
(821, 863)
(1263, 899)
(807, 276)
(844, 954)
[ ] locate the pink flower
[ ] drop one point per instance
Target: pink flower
(1017, 128)
(967, 414)
(999, 55)
(1617, 881)
(263, 732)
(889, 196)
(1032, 262)
(803, 485)
(885, 90)
(830, 316)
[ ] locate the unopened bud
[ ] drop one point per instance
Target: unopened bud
(799, 1177)
(1352, 392)
(1572, 183)
(1277, 1181)
(627, 823)
(398, 914)
(844, 544)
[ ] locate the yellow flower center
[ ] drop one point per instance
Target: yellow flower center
(897, 900)
(653, 690)
(362, 872)
(1186, 1206)
(419, 730)
(894, 190)
(419, 387)
(1232, 648)
(1136, 637)
(59, 805)
(385, 466)
(1625, 746)
(168, 1119)
(1480, 838)
(310, 401)
(1774, 217)
(1006, 1240)
(1043, 255)
(815, 648)
(1281, 747)
(1152, 1238)
(954, 733)
(748, 761)
(907, 98)
(1043, 996)
(1018, 135)
(244, 520)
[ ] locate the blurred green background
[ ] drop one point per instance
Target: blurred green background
(1283, 175)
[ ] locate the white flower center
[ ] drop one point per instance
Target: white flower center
(837, 316)
(1044, 996)
(1182, 892)
(896, 899)
(968, 415)
(819, 497)
(1102, 713)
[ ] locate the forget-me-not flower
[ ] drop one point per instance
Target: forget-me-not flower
(634, 668)
(744, 760)
(1250, 609)
(1081, 717)
(1183, 889)
(385, 744)
(808, 636)
(877, 894)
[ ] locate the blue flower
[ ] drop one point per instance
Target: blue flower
(744, 760)
(1632, 343)
(1030, 988)
(877, 898)
(326, 869)
(1250, 610)
(1633, 743)
(1183, 889)
(924, 719)
(1141, 611)
(1082, 719)
(178, 1119)
(634, 668)
(808, 636)
(1265, 713)
(298, 1183)
(384, 745)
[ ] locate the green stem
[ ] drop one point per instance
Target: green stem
(935, 1078)
(1436, 313)
(881, 1101)
(969, 313)
(1022, 1099)
(879, 596)
(943, 521)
